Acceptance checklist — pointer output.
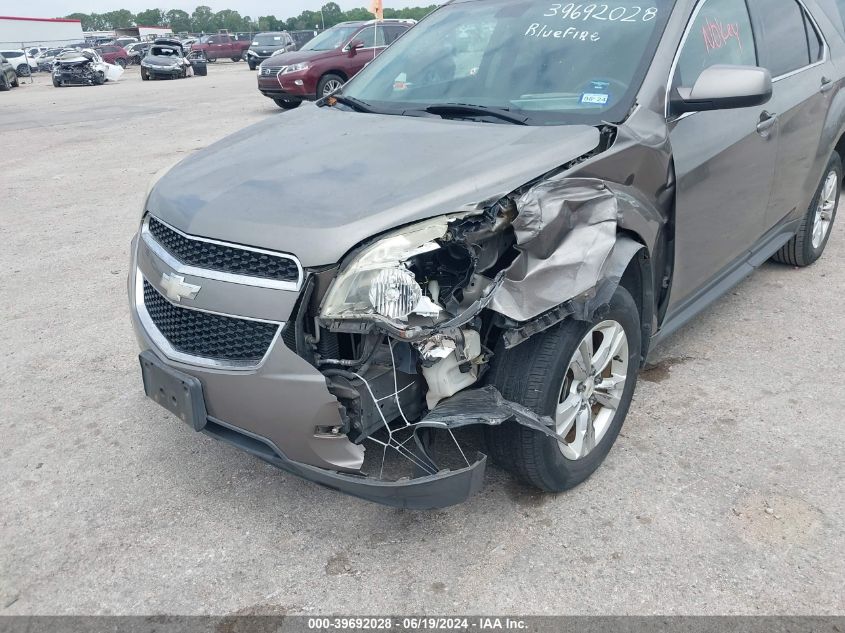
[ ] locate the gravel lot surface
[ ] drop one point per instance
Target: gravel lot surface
(724, 494)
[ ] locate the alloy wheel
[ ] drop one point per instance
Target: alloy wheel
(825, 209)
(331, 86)
(592, 389)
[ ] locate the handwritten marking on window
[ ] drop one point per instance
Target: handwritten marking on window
(716, 34)
(574, 11)
(545, 31)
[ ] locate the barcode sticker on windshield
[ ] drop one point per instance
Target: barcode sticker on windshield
(591, 97)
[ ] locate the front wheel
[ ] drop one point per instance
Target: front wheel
(236, 59)
(328, 84)
(814, 231)
(251, 64)
(23, 70)
(144, 75)
(56, 82)
(582, 375)
(121, 62)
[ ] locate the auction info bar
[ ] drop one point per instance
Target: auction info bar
(528, 624)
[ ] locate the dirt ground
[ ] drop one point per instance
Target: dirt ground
(724, 494)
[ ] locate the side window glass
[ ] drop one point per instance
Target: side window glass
(391, 34)
(783, 36)
(721, 34)
(380, 36)
(368, 36)
(814, 40)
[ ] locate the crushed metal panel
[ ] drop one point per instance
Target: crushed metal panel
(565, 231)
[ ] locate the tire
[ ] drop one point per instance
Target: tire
(251, 64)
(236, 59)
(57, 83)
(328, 83)
(5, 84)
(15, 82)
(121, 62)
(808, 245)
(23, 70)
(99, 78)
(288, 104)
(144, 75)
(536, 374)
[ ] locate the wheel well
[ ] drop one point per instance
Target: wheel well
(339, 73)
(637, 280)
(839, 148)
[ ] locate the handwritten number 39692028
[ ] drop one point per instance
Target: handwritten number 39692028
(572, 11)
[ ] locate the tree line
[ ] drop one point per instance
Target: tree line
(204, 20)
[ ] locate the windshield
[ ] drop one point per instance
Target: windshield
(335, 37)
(164, 51)
(269, 39)
(552, 63)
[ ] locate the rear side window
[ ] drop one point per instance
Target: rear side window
(788, 39)
(368, 37)
(720, 34)
(392, 33)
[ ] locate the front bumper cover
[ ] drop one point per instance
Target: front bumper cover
(446, 488)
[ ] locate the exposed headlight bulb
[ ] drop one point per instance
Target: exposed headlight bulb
(394, 293)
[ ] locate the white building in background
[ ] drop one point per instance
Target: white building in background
(38, 32)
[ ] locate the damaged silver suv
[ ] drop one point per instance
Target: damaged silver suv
(491, 225)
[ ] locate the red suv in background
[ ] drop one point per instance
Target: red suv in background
(223, 45)
(113, 54)
(326, 62)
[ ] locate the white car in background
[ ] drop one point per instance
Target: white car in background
(22, 63)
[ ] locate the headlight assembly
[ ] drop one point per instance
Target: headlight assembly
(293, 68)
(378, 284)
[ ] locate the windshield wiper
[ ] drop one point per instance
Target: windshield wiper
(464, 109)
(352, 102)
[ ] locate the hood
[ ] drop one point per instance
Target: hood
(316, 182)
(261, 49)
(295, 57)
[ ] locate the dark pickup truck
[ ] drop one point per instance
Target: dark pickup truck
(221, 46)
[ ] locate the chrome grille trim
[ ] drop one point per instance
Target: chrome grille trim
(244, 280)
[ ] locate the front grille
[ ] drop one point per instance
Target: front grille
(223, 258)
(207, 335)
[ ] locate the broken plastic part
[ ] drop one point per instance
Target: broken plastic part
(437, 347)
(485, 405)
(447, 376)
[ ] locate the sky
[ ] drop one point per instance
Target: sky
(252, 8)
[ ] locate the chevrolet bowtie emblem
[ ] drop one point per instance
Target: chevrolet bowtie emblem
(176, 289)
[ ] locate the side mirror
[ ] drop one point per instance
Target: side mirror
(354, 45)
(723, 87)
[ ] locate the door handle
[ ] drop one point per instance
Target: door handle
(827, 84)
(767, 121)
